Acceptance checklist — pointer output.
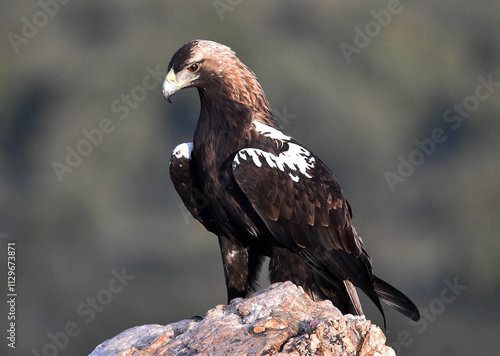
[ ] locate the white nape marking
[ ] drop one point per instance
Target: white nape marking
(270, 132)
(295, 161)
(183, 150)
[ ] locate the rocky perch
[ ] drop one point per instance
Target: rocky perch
(280, 320)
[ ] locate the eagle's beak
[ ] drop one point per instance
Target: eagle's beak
(170, 85)
(176, 81)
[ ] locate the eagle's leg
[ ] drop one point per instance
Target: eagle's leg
(288, 266)
(317, 285)
(241, 267)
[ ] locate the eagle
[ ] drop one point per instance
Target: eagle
(263, 193)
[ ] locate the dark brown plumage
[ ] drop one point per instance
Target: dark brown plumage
(263, 193)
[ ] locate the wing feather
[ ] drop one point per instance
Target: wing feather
(182, 178)
(314, 218)
(301, 208)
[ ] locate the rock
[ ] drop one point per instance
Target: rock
(280, 320)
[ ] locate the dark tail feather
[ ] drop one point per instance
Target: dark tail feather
(395, 299)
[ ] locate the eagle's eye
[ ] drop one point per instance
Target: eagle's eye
(193, 68)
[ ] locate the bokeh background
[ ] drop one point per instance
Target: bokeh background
(357, 82)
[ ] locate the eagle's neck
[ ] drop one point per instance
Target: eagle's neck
(227, 111)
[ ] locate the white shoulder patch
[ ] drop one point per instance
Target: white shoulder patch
(270, 132)
(183, 150)
(296, 161)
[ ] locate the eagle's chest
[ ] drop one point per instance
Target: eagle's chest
(214, 154)
(215, 142)
(212, 162)
(211, 174)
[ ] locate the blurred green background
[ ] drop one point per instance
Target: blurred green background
(356, 82)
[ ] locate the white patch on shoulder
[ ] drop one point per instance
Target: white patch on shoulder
(183, 150)
(296, 161)
(270, 132)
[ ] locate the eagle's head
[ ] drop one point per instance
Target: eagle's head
(215, 70)
(200, 64)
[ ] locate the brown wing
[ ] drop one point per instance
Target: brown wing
(182, 178)
(303, 206)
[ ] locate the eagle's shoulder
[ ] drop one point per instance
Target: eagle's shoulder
(294, 192)
(279, 151)
(181, 152)
(183, 178)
